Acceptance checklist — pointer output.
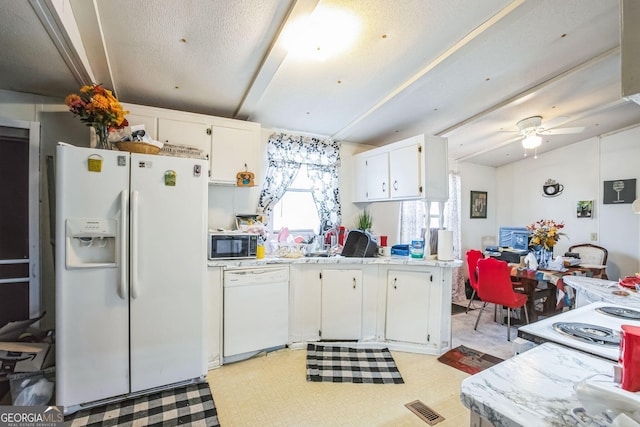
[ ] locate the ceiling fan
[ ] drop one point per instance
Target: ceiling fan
(532, 128)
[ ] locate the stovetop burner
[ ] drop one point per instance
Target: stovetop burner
(590, 333)
(625, 313)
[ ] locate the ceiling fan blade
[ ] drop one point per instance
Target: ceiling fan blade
(561, 131)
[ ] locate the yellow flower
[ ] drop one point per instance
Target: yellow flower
(97, 106)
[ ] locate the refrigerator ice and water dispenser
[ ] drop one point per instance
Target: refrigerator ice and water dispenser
(91, 243)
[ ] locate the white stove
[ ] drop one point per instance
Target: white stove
(593, 328)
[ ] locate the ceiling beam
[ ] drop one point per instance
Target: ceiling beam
(61, 26)
(531, 90)
(342, 133)
(271, 61)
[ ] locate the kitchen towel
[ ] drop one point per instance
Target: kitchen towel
(331, 363)
(445, 245)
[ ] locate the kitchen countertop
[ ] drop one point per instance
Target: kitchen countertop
(601, 290)
(392, 260)
(534, 388)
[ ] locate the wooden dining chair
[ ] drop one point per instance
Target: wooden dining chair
(472, 256)
(591, 254)
(494, 286)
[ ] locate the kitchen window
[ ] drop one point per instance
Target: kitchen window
(300, 189)
(297, 209)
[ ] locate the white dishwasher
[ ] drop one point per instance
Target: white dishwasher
(256, 311)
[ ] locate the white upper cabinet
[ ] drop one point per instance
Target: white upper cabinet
(235, 147)
(377, 173)
(231, 146)
(193, 133)
(405, 171)
(414, 168)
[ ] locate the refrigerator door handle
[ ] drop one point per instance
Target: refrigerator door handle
(134, 244)
(122, 289)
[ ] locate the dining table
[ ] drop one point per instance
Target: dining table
(549, 284)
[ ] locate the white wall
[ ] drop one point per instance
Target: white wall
(581, 168)
(477, 233)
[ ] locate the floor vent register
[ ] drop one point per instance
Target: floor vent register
(425, 413)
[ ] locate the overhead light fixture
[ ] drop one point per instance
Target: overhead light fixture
(531, 141)
(327, 32)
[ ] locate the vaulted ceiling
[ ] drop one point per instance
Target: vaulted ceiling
(467, 70)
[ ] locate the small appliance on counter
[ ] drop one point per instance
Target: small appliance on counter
(232, 245)
(359, 245)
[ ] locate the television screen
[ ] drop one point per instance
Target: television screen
(514, 237)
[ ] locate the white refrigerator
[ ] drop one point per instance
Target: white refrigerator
(130, 273)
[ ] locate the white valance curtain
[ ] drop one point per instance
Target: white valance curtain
(286, 153)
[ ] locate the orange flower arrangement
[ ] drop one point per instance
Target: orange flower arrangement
(545, 232)
(97, 107)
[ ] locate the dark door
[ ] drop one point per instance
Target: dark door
(14, 224)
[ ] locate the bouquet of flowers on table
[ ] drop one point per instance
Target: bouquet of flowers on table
(545, 233)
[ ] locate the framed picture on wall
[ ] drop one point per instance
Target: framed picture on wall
(619, 191)
(478, 204)
(584, 209)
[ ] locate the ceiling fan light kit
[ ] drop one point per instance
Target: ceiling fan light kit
(529, 128)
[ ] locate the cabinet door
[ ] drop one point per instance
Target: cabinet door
(150, 123)
(341, 312)
(405, 171)
(359, 177)
(378, 176)
(235, 148)
(180, 132)
(408, 306)
(306, 288)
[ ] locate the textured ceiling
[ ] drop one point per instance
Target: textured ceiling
(467, 70)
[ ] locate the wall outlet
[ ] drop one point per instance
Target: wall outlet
(594, 237)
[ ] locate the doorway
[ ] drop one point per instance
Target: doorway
(19, 220)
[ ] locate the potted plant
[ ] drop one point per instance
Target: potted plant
(365, 221)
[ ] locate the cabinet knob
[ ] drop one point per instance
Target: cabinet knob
(395, 279)
(384, 186)
(354, 283)
(395, 185)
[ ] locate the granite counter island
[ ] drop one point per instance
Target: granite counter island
(590, 290)
(535, 388)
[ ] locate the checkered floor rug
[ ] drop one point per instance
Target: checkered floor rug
(327, 363)
(189, 405)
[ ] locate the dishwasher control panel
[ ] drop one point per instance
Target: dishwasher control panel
(255, 276)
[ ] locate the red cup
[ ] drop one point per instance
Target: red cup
(383, 240)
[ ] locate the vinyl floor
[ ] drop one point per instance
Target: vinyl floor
(272, 390)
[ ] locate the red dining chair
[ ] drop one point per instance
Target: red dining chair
(494, 286)
(473, 256)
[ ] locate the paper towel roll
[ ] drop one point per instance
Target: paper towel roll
(445, 245)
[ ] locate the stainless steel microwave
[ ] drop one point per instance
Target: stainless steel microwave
(232, 245)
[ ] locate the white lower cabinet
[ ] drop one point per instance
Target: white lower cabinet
(418, 308)
(341, 307)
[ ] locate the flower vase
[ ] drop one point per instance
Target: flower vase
(102, 137)
(543, 256)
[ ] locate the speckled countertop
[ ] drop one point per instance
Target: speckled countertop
(535, 388)
(603, 290)
(392, 260)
